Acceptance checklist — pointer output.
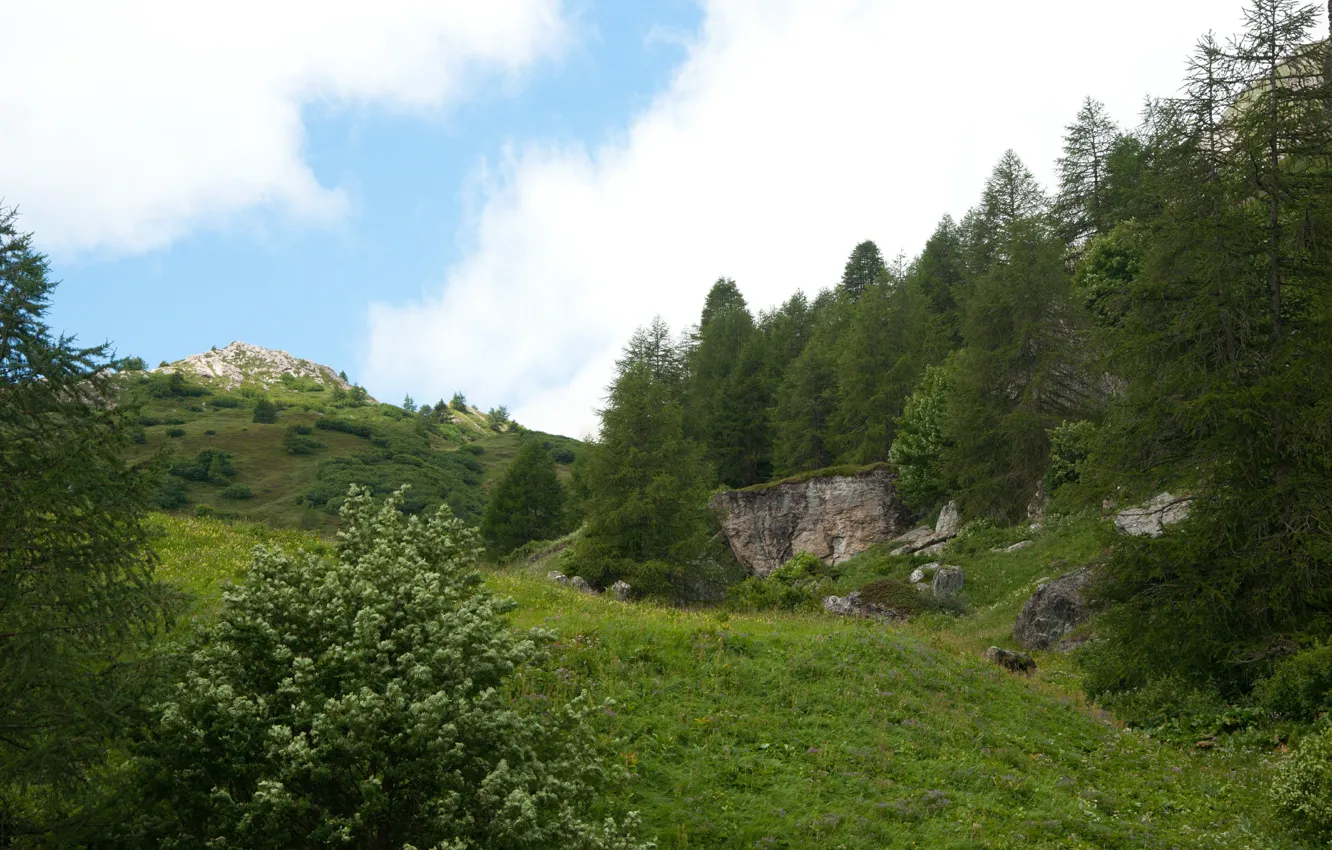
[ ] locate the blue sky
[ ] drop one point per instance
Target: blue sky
(441, 195)
(304, 288)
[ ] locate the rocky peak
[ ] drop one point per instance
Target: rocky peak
(241, 362)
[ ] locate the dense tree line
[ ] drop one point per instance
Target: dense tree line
(1160, 317)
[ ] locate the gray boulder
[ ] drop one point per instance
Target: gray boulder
(947, 582)
(1054, 610)
(620, 591)
(1151, 519)
(580, 583)
(557, 577)
(950, 521)
(852, 605)
(1016, 662)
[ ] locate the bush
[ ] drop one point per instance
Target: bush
(1301, 686)
(1302, 789)
(377, 710)
(148, 421)
(297, 442)
(1070, 446)
(171, 495)
(175, 432)
(211, 432)
(473, 449)
(209, 465)
(203, 510)
(237, 492)
(326, 424)
(226, 401)
(139, 436)
(899, 595)
(173, 420)
(799, 584)
(265, 412)
(562, 455)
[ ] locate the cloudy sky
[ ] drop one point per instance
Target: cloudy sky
(489, 197)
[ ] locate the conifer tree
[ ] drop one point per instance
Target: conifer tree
(740, 446)
(1224, 344)
(646, 484)
(78, 597)
(1011, 195)
(940, 275)
(527, 505)
(723, 331)
(1083, 206)
(864, 268)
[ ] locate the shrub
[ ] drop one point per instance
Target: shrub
(148, 421)
(209, 465)
(899, 595)
(297, 442)
(237, 492)
(139, 436)
(171, 495)
(563, 455)
(799, 584)
(175, 432)
(473, 449)
(1070, 445)
(173, 420)
(326, 424)
(130, 364)
(377, 710)
(211, 432)
(1302, 789)
(390, 411)
(203, 510)
(226, 401)
(1301, 686)
(265, 412)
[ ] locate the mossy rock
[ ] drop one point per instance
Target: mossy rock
(892, 593)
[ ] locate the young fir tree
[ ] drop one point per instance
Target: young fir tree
(78, 597)
(940, 274)
(1225, 344)
(527, 505)
(647, 485)
(1011, 196)
(1083, 206)
(864, 268)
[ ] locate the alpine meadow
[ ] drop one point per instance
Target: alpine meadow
(1023, 540)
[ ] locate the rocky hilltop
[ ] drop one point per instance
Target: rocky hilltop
(242, 363)
(834, 517)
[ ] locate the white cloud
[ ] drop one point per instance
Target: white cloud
(792, 131)
(125, 125)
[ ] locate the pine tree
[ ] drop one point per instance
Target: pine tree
(78, 597)
(1083, 206)
(864, 268)
(407, 403)
(527, 505)
(1011, 195)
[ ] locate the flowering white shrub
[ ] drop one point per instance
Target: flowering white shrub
(359, 702)
(1303, 786)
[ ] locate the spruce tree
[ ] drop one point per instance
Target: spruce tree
(78, 597)
(864, 268)
(940, 274)
(724, 329)
(527, 505)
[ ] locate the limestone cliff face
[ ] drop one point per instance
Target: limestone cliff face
(833, 517)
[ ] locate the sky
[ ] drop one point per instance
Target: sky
(444, 195)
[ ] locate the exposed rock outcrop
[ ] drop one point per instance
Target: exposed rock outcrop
(1054, 610)
(931, 541)
(852, 605)
(1016, 662)
(620, 591)
(1151, 519)
(241, 362)
(833, 517)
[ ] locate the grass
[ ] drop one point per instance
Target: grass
(846, 471)
(275, 477)
(806, 731)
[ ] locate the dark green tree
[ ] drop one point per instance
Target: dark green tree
(864, 268)
(647, 485)
(940, 274)
(740, 438)
(408, 404)
(1224, 343)
(724, 330)
(527, 505)
(78, 597)
(265, 412)
(1083, 206)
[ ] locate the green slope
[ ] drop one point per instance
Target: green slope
(805, 731)
(454, 459)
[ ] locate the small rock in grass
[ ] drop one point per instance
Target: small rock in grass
(620, 591)
(557, 577)
(580, 583)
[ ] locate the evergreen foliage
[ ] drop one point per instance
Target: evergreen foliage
(528, 504)
(361, 700)
(265, 412)
(1083, 205)
(864, 268)
(78, 596)
(921, 442)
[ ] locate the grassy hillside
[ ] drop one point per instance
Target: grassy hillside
(806, 731)
(456, 457)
